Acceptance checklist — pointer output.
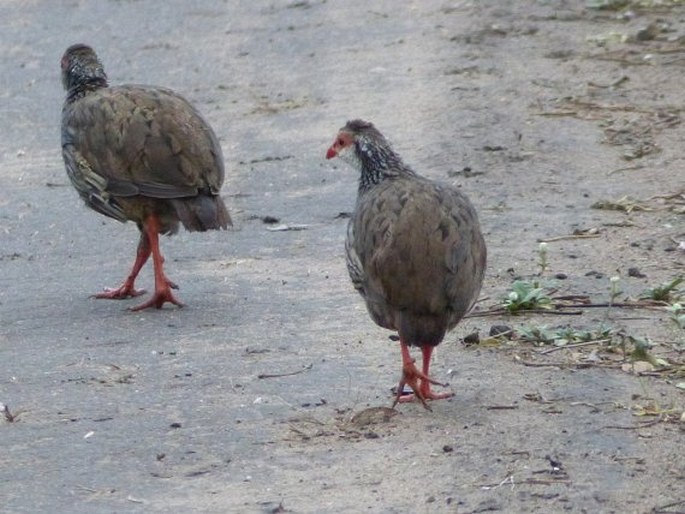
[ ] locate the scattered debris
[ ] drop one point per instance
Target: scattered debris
(577, 234)
(373, 416)
(626, 204)
(611, 85)
(472, 338)
(501, 331)
(636, 273)
(6, 412)
(502, 407)
(285, 227)
(466, 171)
(278, 375)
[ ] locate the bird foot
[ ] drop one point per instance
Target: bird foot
(406, 398)
(160, 297)
(126, 290)
(420, 383)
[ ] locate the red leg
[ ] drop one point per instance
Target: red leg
(411, 377)
(426, 392)
(163, 285)
(127, 289)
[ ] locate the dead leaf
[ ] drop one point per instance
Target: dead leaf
(637, 367)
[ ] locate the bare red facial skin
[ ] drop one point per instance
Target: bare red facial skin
(342, 141)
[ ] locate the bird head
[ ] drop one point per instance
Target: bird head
(361, 145)
(343, 144)
(81, 68)
(357, 135)
(356, 142)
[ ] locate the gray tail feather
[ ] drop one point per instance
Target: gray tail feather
(202, 212)
(422, 330)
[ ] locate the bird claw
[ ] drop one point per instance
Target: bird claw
(158, 300)
(420, 384)
(400, 398)
(407, 398)
(119, 293)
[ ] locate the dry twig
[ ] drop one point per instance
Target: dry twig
(570, 236)
(6, 412)
(574, 345)
(278, 375)
(636, 427)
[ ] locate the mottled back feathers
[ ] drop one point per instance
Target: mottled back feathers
(126, 146)
(414, 247)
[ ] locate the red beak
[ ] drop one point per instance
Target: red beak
(331, 153)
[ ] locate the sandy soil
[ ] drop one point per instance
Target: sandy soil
(537, 109)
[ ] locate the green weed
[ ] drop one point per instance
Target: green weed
(667, 292)
(564, 335)
(677, 315)
(527, 295)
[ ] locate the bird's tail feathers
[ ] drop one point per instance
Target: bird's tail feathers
(202, 212)
(421, 330)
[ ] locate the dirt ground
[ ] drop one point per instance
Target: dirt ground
(269, 391)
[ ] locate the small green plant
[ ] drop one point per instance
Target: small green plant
(616, 5)
(542, 257)
(666, 292)
(614, 292)
(613, 5)
(571, 335)
(641, 347)
(614, 288)
(677, 315)
(564, 335)
(537, 335)
(527, 295)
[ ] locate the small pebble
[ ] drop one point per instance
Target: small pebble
(471, 339)
(496, 330)
(648, 33)
(635, 272)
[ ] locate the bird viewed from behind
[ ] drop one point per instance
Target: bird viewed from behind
(143, 154)
(414, 250)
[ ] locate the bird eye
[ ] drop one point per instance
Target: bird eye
(340, 141)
